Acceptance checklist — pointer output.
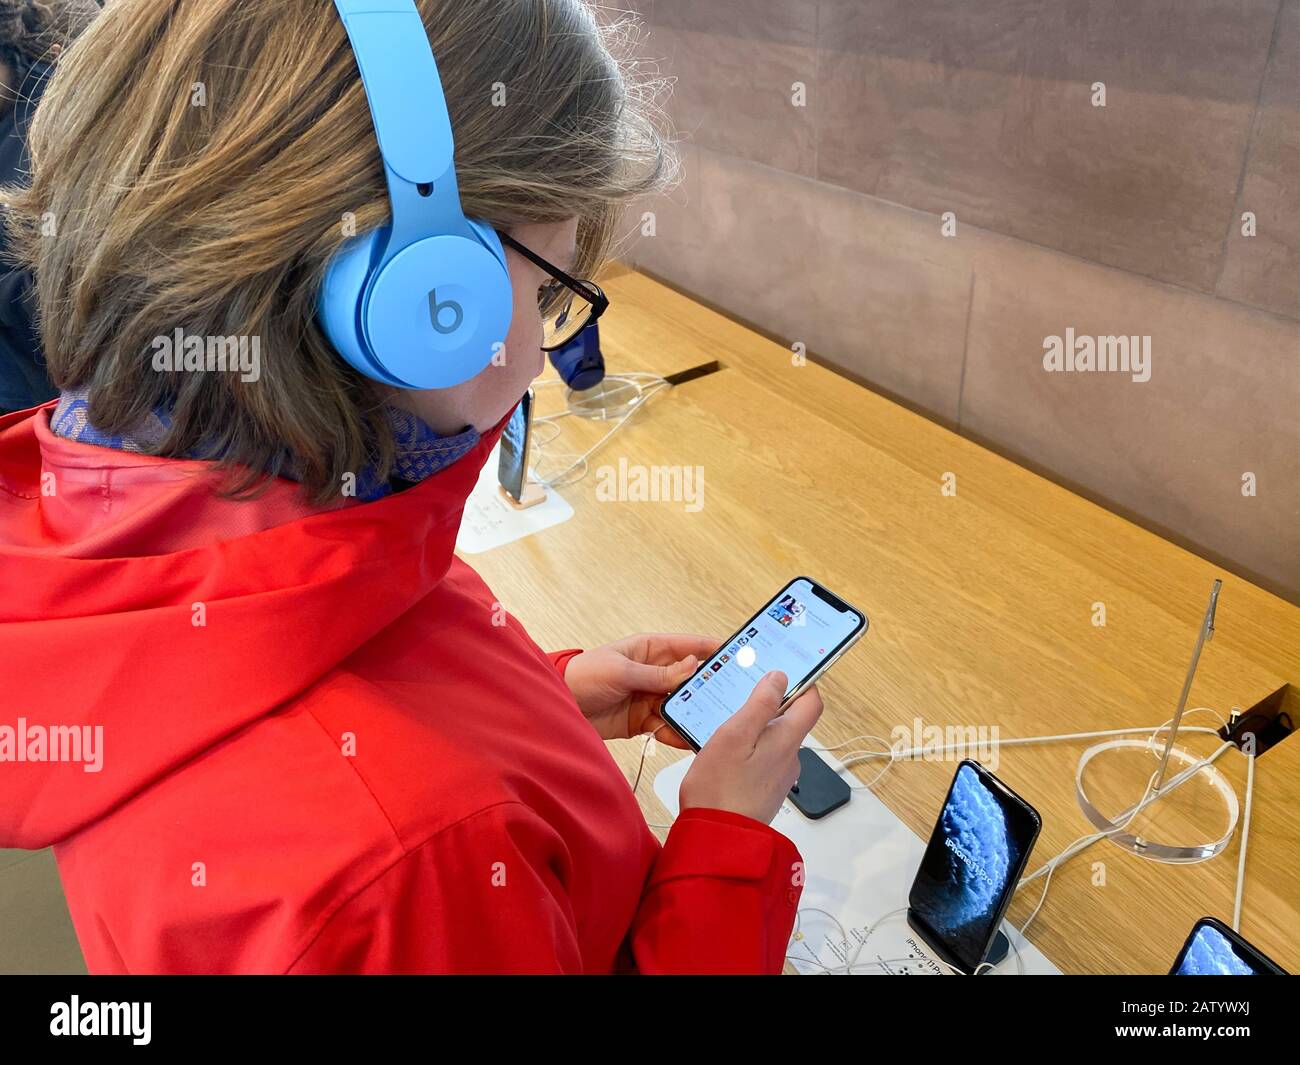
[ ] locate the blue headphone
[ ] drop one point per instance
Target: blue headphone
(424, 302)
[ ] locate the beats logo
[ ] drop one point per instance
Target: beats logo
(436, 313)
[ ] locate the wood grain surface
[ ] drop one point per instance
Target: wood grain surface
(982, 605)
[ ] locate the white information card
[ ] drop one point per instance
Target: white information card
(490, 521)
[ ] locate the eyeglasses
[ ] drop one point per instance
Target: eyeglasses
(568, 305)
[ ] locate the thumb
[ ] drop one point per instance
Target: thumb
(640, 677)
(763, 704)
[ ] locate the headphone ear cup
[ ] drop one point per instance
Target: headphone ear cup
(438, 312)
(338, 305)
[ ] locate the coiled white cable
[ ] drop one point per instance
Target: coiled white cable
(642, 386)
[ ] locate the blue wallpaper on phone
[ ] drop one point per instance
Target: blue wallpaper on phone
(1211, 953)
(970, 865)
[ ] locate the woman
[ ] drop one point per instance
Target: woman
(307, 737)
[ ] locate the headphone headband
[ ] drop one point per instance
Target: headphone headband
(424, 302)
(409, 112)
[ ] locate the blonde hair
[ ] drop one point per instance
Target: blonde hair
(194, 165)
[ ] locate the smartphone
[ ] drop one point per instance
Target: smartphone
(801, 631)
(512, 465)
(1214, 949)
(975, 857)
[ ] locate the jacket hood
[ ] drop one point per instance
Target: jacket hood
(144, 619)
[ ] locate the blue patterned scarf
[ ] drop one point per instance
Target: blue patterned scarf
(420, 451)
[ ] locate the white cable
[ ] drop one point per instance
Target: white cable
(645, 753)
(847, 967)
(853, 757)
(851, 739)
(537, 445)
(635, 783)
(1245, 835)
(1084, 842)
(903, 755)
(581, 404)
(642, 398)
(894, 756)
(1187, 714)
(1128, 814)
(1074, 848)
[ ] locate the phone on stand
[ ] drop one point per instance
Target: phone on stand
(1214, 949)
(512, 465)
(801, 631)
(971, 866)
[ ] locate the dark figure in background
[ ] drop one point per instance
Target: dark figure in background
(32, 33)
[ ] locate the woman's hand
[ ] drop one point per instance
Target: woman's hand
(752, 761)
(620, 686)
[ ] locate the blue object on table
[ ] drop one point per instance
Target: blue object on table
(580, 363)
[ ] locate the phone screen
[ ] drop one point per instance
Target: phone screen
(801, 629)
(512, 465)
(1213, 949)
(974, 859)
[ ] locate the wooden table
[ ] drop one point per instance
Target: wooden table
(981, 605)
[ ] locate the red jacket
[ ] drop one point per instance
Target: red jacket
(325, 746)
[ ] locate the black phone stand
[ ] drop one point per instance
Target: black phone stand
(819, 789)
(999, 951)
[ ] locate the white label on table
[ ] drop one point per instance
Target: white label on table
(489, 521)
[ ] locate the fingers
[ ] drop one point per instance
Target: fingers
(763, 704)
(802, 715)
(673, 646)
(639, 677)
